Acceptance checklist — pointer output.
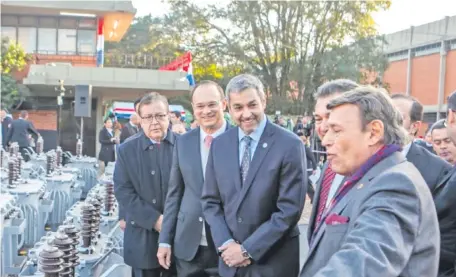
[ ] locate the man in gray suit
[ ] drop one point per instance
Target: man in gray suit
(20, 132)
(329, 181)
(432, 168)
(255, 188)
(130, 128)
(381, 221)
(184, 230)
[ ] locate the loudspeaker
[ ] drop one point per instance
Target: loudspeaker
(83, 100)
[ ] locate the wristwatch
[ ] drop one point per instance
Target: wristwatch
(245, 254)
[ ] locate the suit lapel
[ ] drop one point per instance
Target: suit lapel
(392, 160)
(232, 157)
(264, 145)
(195, 156)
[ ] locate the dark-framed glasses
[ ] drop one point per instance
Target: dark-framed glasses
(159, 117)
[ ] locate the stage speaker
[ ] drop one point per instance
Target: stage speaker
(83, 100)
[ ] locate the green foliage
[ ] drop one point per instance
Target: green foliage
(13, 58)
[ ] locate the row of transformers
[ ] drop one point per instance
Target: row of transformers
(57, 218)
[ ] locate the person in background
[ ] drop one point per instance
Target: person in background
(442, 143)
(107, 139)
(381, 222)
(20, 131)
(299, 127)
(194, 124)
(190, 239)
(426, 143)
(254, 188)
(141, 180)
(6, 125)
(130, 128)
(178, 129)
(175, 117)
(311, 165)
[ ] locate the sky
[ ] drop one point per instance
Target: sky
(401, 15)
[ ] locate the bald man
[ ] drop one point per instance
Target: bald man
(130, 128)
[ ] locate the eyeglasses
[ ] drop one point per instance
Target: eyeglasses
(159, 117)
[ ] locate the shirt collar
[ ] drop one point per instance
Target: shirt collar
(406, 148)
(256, 134)
(222, 129)
(146, 142)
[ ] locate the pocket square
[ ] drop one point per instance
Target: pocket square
(334, 219)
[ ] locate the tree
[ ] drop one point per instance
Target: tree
(13, 58)
(274, 38)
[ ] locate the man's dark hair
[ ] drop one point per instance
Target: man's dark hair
(24, 114)
(206, 83)
(438, 125)
(177, 114)
(452, 101)
(335, 86)
(136, 103)
(151, 98)
(416, 111)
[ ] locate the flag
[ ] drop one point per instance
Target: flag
(183, 63)
(190, 78)
(100, 43)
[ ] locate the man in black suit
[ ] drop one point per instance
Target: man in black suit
(445, 203)
(432, 168)
(20, 131)
(184, 230)
(130, 128)
(141, 180)
(6, 124)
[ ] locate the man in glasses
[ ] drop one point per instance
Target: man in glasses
(141, 182)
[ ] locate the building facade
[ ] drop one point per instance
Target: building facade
(422, 63)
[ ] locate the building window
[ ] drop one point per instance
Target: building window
(47, 41)
(86, 42)
(27, 39)
(9, 20)
(9, 32)
(67, 42)
(87, 23)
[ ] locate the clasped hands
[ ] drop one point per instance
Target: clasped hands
(232, 255)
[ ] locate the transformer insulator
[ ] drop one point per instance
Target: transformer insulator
(19, 160)
(65, 244)
(50, 261)
(96, 214)
(109, 198)
(58, 156)
(49, 164)
(39, 145)
(87, 225)
(11, 172)
(72, 233)
(2, 156)
(79, 148)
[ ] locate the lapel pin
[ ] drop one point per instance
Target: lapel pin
(360, 186)
(265, 145)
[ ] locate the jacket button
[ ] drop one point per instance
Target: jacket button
(132, 222)
(200, 219)
(154, 201)
(239, 219)
(152, 172)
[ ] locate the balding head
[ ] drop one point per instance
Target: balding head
(134, 118)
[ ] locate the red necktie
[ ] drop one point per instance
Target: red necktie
(328, 178)
(208, 141)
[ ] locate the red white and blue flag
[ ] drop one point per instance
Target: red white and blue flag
(183, 63)
(100, 42)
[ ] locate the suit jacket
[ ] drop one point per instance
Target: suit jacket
(19, 132)
(445, 203)
(108, 147)
(127, 131)
(141, 180)
(311, 161)
(391, 230)
(432, 168)
(6, 125)
(261, 214)
(183, 218)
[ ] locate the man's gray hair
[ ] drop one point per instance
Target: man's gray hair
(242, 82)
(375, 104)
(150, 98)
(335, 87)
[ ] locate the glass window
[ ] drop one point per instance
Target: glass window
(28, 21)
(47, 41)
(67, 41)
(27, 39)
(87, 42)
(88, 23)
(9, 20)
(48, 22)
(67, 23)
(9, 32)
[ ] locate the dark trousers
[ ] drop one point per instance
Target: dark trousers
(310, 190)
(156, 272)
(205, 258)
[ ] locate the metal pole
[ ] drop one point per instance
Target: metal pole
(82, 130)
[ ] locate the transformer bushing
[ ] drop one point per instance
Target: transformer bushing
(18, 167)
(108, 197)
(49, 167)
(87, 227)
(72, 233)
(39, 146)
(79, 148)
(96, 216)
(58, 157)
(12, 173)
(65, 244)
(2, 156)
(50, 261)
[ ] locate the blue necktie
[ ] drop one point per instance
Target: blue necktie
(245, 164)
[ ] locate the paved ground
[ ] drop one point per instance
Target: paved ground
(306, 213)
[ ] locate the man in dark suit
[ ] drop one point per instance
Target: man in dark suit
(141, 183)
(130, 128)
(6, 124)
(433, 168)
(445, 203)
(329, 181)
(255, 188)
(20, 132)
(381, 221)
(184, 230)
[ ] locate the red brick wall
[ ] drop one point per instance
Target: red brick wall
(42, 120)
